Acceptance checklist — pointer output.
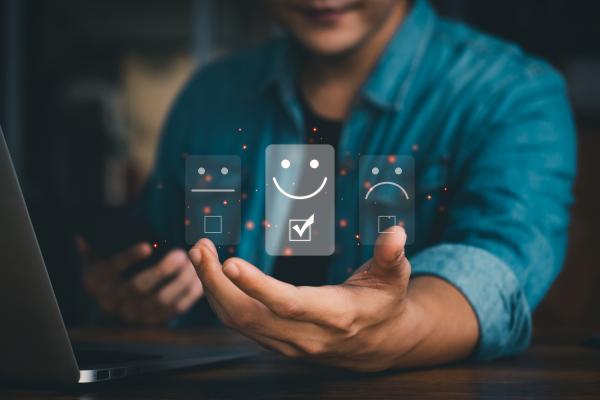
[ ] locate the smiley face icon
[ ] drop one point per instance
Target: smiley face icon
(314, 164)
(299, 199)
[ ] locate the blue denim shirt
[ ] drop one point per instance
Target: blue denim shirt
(490, 130)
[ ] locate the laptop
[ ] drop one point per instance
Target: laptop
(34, 343)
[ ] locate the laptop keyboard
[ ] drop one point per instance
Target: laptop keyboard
(90, 359)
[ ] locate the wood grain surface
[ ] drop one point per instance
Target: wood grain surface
(557, 366)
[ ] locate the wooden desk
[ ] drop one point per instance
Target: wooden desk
(556, 367)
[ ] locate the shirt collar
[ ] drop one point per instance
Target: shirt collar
(390, 81)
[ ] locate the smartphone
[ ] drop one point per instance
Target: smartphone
(111, 231)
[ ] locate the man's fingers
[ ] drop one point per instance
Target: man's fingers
(147, 280)
(282, 298)
(234, 307)
(329, 305)
(125, 259)
(215, 283)
(192, 294)
(84, 249)
(178, 287)
(388, 253)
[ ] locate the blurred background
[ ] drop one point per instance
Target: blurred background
(85, 86)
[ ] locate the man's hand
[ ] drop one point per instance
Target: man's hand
(370, 322)
(142, 299)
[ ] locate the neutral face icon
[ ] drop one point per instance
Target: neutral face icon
(213, 208)
(202, 171)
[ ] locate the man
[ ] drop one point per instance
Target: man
(492, 136)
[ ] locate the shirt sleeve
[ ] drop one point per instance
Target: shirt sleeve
(506, 236)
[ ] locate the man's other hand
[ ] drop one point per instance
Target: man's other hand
(144, 298)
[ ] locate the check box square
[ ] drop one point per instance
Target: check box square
(384, 222)
(213, 224)
(300, 230)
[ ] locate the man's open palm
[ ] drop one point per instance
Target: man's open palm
(339, 324)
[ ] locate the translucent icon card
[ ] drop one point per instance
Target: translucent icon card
(386, 196)
(299, 200)
(213, 193)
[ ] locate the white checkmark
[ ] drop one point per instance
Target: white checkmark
(305, 226)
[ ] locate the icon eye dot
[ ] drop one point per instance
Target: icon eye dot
(224, 170)
(314, 163)
(398, 170)
(285, 163)
(375, 171)
(201, 171)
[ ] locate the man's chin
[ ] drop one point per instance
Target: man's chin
(330, 49)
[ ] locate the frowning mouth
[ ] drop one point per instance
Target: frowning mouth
(387, 183)
(295, 197)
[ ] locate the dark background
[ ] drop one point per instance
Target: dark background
(73, 74)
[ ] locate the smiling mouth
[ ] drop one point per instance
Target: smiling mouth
(308, 196)
(327, 13)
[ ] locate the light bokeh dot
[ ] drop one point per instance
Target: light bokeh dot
(285, 163)
(314, 163)
(201, 171)
(398, 170)
(224, 170)
(375, 171)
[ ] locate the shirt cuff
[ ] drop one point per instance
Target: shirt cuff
(491, 288)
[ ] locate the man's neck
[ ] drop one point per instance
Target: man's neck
(330, 83)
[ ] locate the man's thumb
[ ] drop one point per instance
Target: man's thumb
(388, 253)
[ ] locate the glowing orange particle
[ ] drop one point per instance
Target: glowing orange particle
(288, 251)
(357, 236)
(343, 172)
(391, 159)
(367, 184)
(250, 225)
(314, 129)
(428, 197)
(343, 223)
(244, 147)
(155, 245)
(206, 210)
(187, 222)
(208, 178)
(225, 202)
